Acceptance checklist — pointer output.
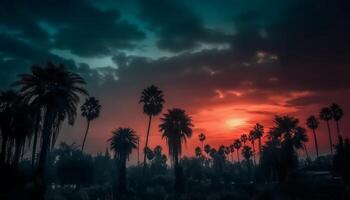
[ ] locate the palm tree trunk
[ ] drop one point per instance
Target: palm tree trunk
(259, 141)
(122, 175)
(86, 132)
(138, 151)
(46, 135)
(330, 138)
(146, 144)
(315, 140)
(238, 156)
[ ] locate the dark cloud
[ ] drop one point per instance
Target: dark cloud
(177, 26)
(73, 25)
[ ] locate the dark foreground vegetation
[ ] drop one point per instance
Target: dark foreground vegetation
(262, 164)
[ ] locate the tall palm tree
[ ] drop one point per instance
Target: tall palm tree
(89, 110)
(237, 144)
(176, 127)
(56, 90)
(337, 113)
(312, 123)
(152, 99)
(258, 132)
(123, 141)
(201, 138)
(326, 115)
(244, 138)
(252, 137)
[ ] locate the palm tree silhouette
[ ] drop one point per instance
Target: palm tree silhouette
(201, 139)
(89, 110)
(252, 137)
(176, 127)
(237, 144)
(326, 115)
(198, 152)
(337, 113)
(207, 149)
(259, 132)
(123, 141)
(232, 149)
(244, 138)
(312, 123)
(247, 153)
(56, 91)
(153, 100)
(300, 138)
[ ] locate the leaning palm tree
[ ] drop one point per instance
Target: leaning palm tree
(237, 144)
(56, 91)
(152, 99)
(89, 110)
(326, 115)
(176, 127)
(252, 137)
(201, 138)
(123, 141)
(312, 123)
(337, 113)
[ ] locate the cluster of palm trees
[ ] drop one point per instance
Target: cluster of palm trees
(333, 112)
(45, 98)
(175, 127)
(50, 94)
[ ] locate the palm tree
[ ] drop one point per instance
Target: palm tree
(89, 110)
(312, 122)
(252, 138)
(237, 144)
(259, 132)
(198, 152)
(176, 127)
(123, 141)
(244, 138)
(326, 115)
(232, 149)
(153, 100)
(201, 139)
(247, 153)
(300, 138)
(337, 113)
(55, 90)
(207, 149)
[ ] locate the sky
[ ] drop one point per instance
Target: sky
(228, 63)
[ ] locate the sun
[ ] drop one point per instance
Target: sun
(234, 123)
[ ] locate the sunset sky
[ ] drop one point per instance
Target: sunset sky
(228, 63)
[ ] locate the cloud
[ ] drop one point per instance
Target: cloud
(177, 26)
(73, 25)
